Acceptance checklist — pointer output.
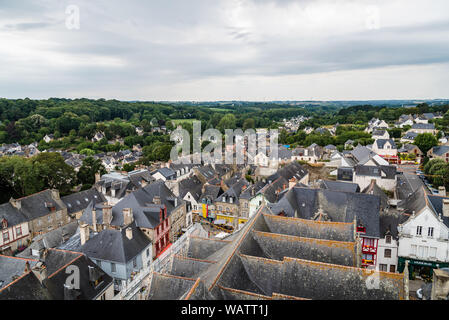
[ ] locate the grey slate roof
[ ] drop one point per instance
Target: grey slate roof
(192, 185)
(376, 171)
(34, 206)
(429, 126)
(291, 170)
(340, 186)
(12, 268)
(410, 135)
(381, 143)
(306, 203)
(114, 246)
(79, 201)
(11, 214)
(440, 150)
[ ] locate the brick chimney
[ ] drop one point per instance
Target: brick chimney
(446, 207)
(97, 177)
(84, 233)
(129, 233)
(94, 219)
(291, 183)
(107, 215)
(442, 191)
(55, 194)
(157, 200)
(127, 216)
(40, 271)
(15, 203)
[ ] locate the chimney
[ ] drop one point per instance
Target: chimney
(94, 219)
(27, 267)
(127, 216)
(284, 186)
(144, 183)
(15, 203)
(107, 214)
(445, 207)
(55, 194)
(291, 183)
(84, 233)
(97, 177)
(442, 191)
(157, 200)
(129, 233)
(40, 271)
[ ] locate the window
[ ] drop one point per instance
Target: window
(19, 231)
(134, 263)
(5, 236)
(433, 252)
(430, 232)
(413, 249)
(148, 252)
(99, 263)
(382, 267)
(419, 230)
(113, 267)
(58, 215)
(387, 253)
(49, 218)
(392, 268)
(388, 239)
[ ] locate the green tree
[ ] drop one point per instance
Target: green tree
(426, 141)
(90, 166)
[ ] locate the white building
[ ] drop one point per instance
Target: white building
(424, 237)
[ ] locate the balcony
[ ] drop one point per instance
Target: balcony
(369, 249)
(367, 262)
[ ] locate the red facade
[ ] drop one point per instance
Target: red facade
(369, 251)
(162, 232)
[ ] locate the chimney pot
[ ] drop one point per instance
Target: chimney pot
(107, 214)
(84, 233)
(127, 216)
(446, 207)
(442, 191)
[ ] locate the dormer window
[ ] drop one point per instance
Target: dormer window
(4, 224)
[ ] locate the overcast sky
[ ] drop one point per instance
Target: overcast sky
(221, 50)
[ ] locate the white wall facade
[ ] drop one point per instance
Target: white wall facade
(423, 246)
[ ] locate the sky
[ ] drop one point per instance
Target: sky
(203, 50)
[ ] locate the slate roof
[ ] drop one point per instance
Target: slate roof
(211, 192)
(291, 170)
(381, 143)
(12, 268)
(429, 126)
(440, 150)
(34, 206)
(338, 206)
(271, 258)
(339, 186)
(410, 135)
(28, 286)
(12, 215)
(362, 154)
(79, 201)
(234, 191)
(114, 246)
(376, 171)
(192, 185)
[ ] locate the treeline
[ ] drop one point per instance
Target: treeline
(21, 176)
(343, 134)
